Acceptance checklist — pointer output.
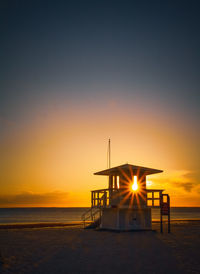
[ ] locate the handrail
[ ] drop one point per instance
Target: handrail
(82, 216)
(91, 216)
(101, 190)
(100, 198)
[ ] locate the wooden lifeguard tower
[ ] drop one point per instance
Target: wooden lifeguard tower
(126, 203)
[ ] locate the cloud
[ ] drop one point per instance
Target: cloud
(187, 186)
(34, 199)
(179, 179)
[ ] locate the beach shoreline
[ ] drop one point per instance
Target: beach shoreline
(38, 225)
(76, 223)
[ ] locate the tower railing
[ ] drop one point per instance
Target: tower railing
(101, 198)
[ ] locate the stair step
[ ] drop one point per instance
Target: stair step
(94, 224)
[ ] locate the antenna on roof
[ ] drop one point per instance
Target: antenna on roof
(109, 155)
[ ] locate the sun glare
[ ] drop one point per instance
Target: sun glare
(135, 185)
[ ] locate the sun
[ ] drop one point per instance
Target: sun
(135, 185)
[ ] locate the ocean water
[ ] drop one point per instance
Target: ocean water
(65, 215)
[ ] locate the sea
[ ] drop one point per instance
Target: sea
(73, 214)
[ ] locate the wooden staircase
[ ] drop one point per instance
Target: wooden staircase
(91, 218)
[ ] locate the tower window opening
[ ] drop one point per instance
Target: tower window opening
(118, 182)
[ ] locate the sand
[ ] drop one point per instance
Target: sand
(73, 249)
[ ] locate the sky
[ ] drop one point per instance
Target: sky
(74, 74)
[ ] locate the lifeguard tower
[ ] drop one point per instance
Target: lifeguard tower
(126, 203)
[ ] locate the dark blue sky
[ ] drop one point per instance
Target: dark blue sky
(146, 47)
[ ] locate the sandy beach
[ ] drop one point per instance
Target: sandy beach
(72, 249)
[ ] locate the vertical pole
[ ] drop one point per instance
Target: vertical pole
(109, 177)
(168, 200)
(152, 198)
(91, 216)
(161, 224)
(110, 187)
(105, 199)
(109, 154)
(115, 180)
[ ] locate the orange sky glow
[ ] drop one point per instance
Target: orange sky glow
(49, 158)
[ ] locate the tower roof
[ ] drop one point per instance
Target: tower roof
(127, 167)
